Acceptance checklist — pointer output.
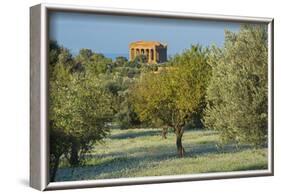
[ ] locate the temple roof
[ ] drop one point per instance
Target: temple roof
(142, 43)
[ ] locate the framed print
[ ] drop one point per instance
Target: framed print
(122, 97)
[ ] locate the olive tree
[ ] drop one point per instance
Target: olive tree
(174, 94)
(78, 114)
(237, 93)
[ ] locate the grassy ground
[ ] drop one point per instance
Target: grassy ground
(143, 152)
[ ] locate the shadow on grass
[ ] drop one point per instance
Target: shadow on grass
(252, 167)
(119, 164)
(135, 134)
(115, 167)
(195, 150)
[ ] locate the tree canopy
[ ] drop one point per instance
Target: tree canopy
(174, 94)
(237, 93)
(79, 111)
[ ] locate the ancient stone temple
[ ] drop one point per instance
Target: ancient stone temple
(154, 51)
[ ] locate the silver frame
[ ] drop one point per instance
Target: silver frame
(39, 95)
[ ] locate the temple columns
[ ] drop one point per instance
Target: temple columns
(155, 55)
(150, 53)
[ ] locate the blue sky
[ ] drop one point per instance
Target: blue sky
(110, 34)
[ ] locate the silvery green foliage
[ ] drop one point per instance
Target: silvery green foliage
(238, 90)
(79, 109)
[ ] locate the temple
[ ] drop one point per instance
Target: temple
(154, 51)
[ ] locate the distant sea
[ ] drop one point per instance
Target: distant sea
(114, 55)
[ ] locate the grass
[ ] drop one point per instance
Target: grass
(143, 152)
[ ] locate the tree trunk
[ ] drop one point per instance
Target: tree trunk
(74, 156)
(180, 148)
(164, 132)
(54, 169)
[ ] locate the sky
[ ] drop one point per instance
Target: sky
(111, 34)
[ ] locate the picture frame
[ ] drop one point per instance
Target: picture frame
(39, 134)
